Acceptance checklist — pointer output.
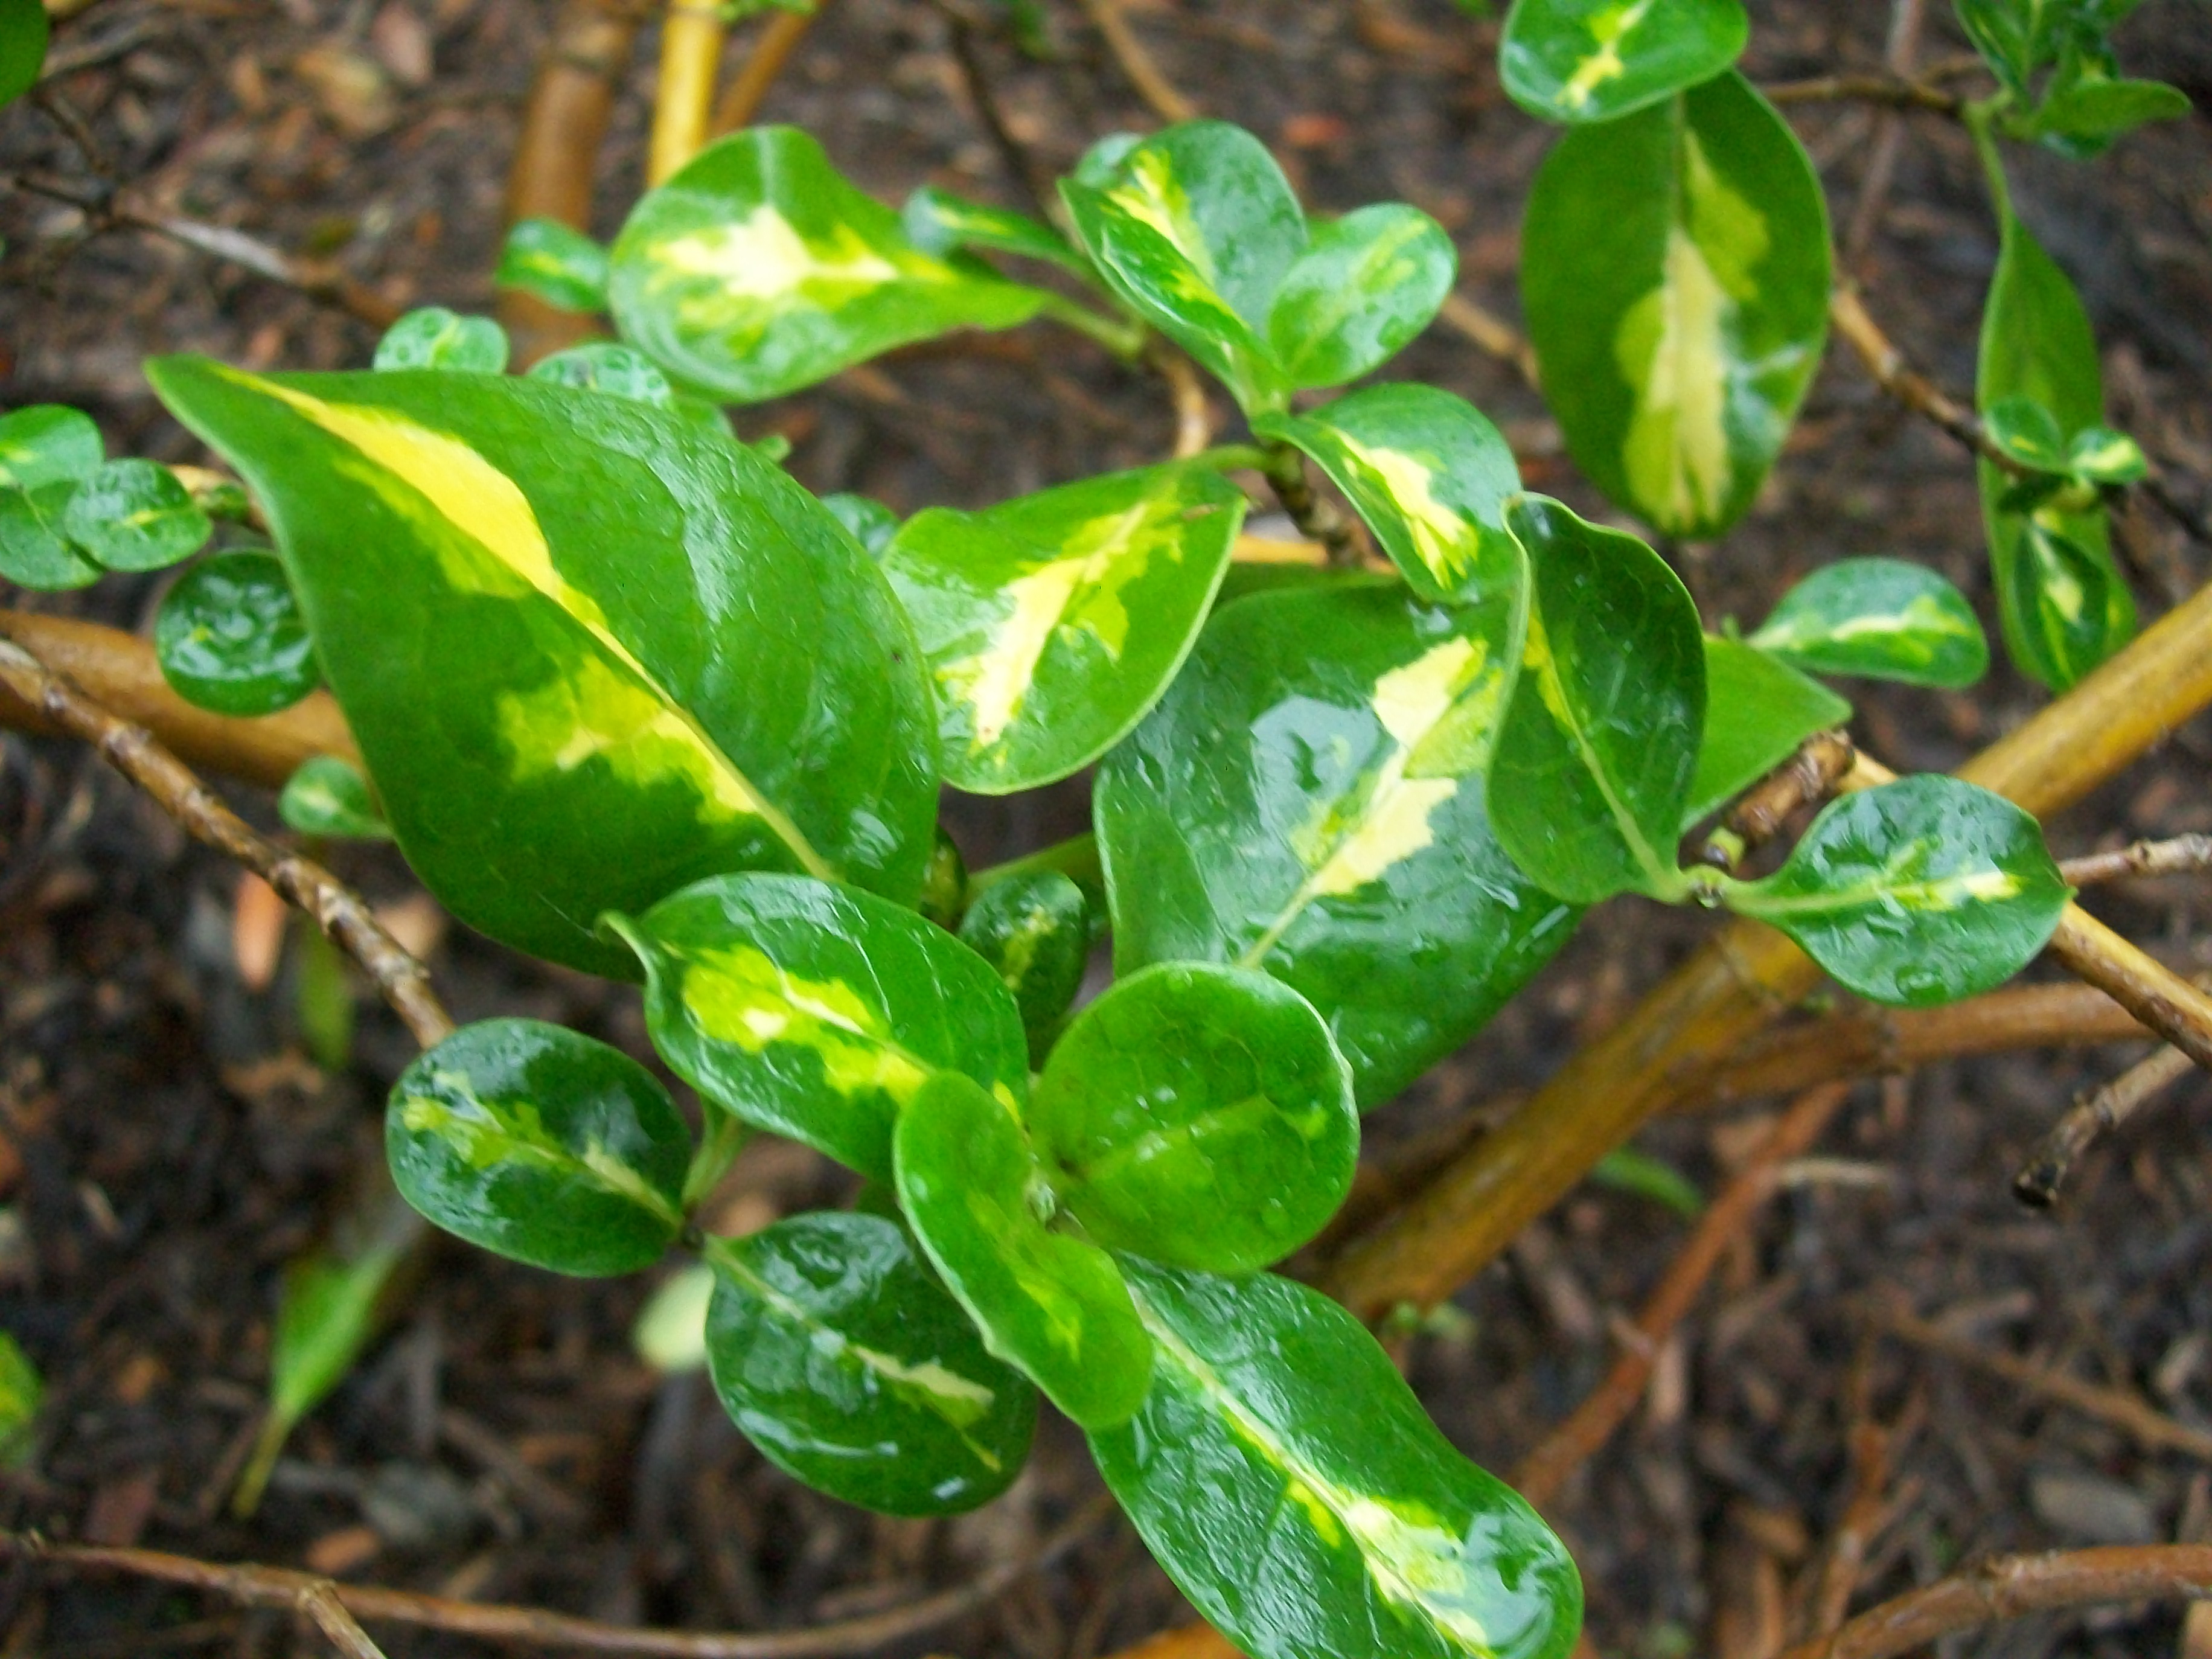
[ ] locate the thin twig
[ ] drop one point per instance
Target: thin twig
(1151, 85)
(2145, 987)
(317, 279)
(1034, 178)
(1899, 52)
(2124, 1410)
(1193, 415)
(1808, 776)
(2012, 1585)
(741, 100)
(336, 910)
(1891, 91)
(1893, 374)
(1318, 518)
(265, 1586)
(2182, 855)
(322, 1605)
(1491, 333)
(2098, 1112)
(1546, 1469)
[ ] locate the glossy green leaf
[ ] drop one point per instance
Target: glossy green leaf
(1195, 228)
(1307, 799)
(1593, 60)
(435, 337)
(602, 366)
(1291, 1485)
(1051, 623)
(938, 222)
(329, 797)
(845, 1360)
(23, 34)
(758, 268)
(819, 1012)
(1921, 891)
(1884, 619)
(1034, 930)
(871, 523)
(542, 1144)
(33, 550)
(1757, 710)
(134, 515)
(590, 651)
(559, 264)
(2061, 600)
(2100, 455)
(1364, 286)
(1674, 269)
(46, 443)
(2028, 432)
(1048, 1302)
(229, 636)
(1199, 1116)
(1598, 748)
(22, 1390)
(1430, 475)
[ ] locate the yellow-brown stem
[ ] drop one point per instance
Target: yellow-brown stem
(691, 61)
(741, 100)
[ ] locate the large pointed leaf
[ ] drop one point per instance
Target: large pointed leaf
(1289, 1482)
(758, 268)
(2061, 600)
(590, 653)
(1429, 473)
(1199, 1116)
(1051, 1304)
(540, 1143)
(1195, 227)
(1921, 891)
(819, 1012)
(1757, 710)
(1675, 269)
(1599, 744)
(1054, 622)
(1307, 799)
(842, 1358)
(1592, 60)
(1887, 619)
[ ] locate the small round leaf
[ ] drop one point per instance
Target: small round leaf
(42, 443)
(435, 337)
(542, 1144)
(1035, 930)
(230, 636)
(134, 515)
(1199, 1116)
(603, 366)
(1921, 891)
(33, 551)
(845, 1360)
(1884, 619)
(329, 797)
(556, 262)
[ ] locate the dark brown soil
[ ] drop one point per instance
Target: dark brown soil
(164, 1151)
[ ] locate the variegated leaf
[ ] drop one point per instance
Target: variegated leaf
(758, 268)
(1049, 1302)
(542, 1144)
(1886, 619)
(844, 1359)
(590, 651)
(1054, 622)
(2062, 602)
(1291, 1485)
(1921, 891)
(1594, 60)
(819, 1012)
(1307, 799)
(1675, 268)
(1428, 474)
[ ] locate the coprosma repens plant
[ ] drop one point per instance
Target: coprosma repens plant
(633, 701)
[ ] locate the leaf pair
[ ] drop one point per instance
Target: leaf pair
(67, 516)
(1920, 891)
(1198, 231)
